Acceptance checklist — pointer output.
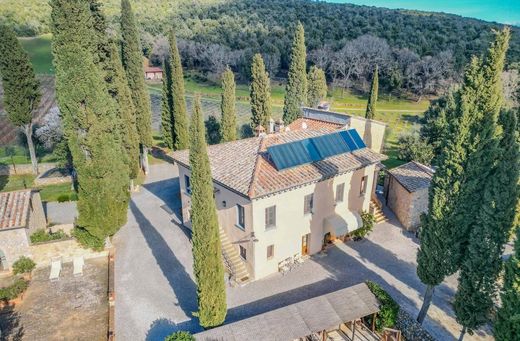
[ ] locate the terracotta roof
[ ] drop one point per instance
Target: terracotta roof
(152, 69)
(309, 123)
(243, 165)
(14, 208)
(413, 175)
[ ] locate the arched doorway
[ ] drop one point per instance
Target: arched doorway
(3, 261)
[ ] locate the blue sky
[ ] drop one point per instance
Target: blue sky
(502, 11)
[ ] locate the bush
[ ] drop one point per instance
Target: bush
(23, 265)
(40, 236)
(87, 240)
(368, 224)
(63, 198)
(412, 148)
(387, 316)
(14, 290)
(180, 336)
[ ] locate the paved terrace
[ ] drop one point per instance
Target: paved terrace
(156, 293)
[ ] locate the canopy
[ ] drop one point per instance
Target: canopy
(341, 224)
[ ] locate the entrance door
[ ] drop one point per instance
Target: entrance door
(305, 244)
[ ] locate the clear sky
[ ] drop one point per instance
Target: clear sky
(502, 11)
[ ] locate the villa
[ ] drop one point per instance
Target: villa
(283, 195)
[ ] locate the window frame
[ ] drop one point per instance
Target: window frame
(364, 185)
(243, 254)
(270, 248)
(238, 224)
(268, 223)
(187, 183)
(338, 191)
(308, 204)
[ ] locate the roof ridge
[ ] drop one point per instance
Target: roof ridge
(250, 191)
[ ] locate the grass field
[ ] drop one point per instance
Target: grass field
(39, 50)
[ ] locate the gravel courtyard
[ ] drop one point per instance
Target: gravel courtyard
(156, 293)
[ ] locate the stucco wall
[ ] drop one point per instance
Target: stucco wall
(37, 218)
(14, 243)
(372, 132)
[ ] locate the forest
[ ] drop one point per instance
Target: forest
(418, 53)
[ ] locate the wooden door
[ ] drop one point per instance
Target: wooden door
(305, 244)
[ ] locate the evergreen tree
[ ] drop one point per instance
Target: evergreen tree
(132, 59)
(372, 97)
(474, 299)
(317, 86)
(167, 122)
(21, 88)
(228, 125)
(454, 189)
(507, 322)
(260, 93)
(89, 120)
(207, 258)
(296, 89)
(109, 62)
(180, 116)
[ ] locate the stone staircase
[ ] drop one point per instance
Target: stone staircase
(234, 264)
(376, 210)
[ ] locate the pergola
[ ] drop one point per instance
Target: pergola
(295, 321)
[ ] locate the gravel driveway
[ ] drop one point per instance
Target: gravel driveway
(155, 290)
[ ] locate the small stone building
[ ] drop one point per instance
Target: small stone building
(406, 192)
(21, 213)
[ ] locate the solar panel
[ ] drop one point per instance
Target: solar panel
(314, 149)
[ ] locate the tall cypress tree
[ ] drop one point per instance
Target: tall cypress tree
(229, 117)
(260, 93)
(207, 257)
(453, 192)
(21, 88)
(372, 97)
(167, 121)
(317, 86)
(296, 89)
(117, 85)
(180, 115)
(132, 59)
(89, 119)
(507, 322)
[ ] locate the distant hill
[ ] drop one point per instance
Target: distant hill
(264, 25)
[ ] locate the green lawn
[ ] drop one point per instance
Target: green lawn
(54, 192)
(20, 155)
(15, 182)
(39, 50)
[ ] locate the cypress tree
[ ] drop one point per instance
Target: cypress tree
(317, 86)
(296, 89)
(507, 322)
(207, 257)
(89, 120)
(167, 122)
(229, 117)
(260, 93)
(454, 193)
(117, 85)
(132, 59)
(21, 88)
(179, 112)
(372, 97)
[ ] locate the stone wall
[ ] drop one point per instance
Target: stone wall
(410, 329)
(418, 206)
(37, 218)
(66, 249)
(14, 243)
(53, 181)
(25, 168)
(398, 200)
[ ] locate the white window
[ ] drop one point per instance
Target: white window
(240, 217)
(270, 217)
(340, 192)
(308, 203)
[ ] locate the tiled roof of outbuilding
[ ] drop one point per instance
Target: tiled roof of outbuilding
(14, 208)
(413, 175)
(243, 165)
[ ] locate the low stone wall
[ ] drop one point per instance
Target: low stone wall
(410, 328)
(66, 228)
(66, 249)
(25, 168)
(53, 181)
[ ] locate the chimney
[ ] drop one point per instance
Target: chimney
(304, 125)
(259, 131)
(271, 126)
(278, 126)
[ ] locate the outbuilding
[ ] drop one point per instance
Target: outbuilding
(406, 192)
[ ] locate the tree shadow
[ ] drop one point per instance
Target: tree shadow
(168, 191)
(163, 327)
(10, 325)
(173, 270)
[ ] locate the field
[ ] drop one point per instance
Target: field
(402, 115)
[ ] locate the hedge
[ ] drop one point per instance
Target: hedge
(14, 290)
(40, 236)
(180, 336)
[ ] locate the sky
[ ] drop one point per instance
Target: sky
(501, 11)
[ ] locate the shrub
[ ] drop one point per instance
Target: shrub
(387, 316)
(63, 198)
(40, 236)
(180, 336)
(14, 290)
(368, 224)
(23, 265)
(412, 148)
(87, 240)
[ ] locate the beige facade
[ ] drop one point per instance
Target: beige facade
(372, 132)
(292, 224)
